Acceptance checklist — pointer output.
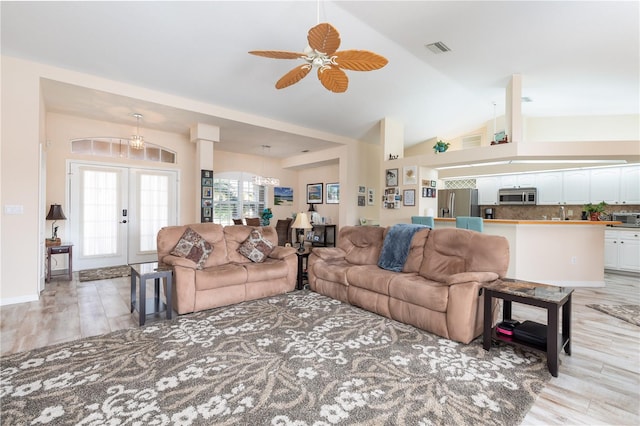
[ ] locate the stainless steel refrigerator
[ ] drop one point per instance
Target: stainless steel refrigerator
(458, 202)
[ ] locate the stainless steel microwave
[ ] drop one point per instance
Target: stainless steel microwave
(517, 196)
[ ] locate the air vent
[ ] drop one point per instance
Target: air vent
(472, 141)
(438, 47)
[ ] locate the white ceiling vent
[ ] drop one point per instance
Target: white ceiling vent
(472, 141)
(438, 47)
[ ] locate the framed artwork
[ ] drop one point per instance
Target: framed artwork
(314, 193)
(370, 196)
(410, 175)
(409, 197)
(282, 196)
(207, 192)
(424, 192)
(430, 192)
(433, 183)
(361, 201)
(361, 189)
(333, 193)
(391, 177)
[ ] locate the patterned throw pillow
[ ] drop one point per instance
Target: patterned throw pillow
(193, 247)
(256, 248)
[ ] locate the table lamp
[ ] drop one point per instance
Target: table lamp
(301, 222)
(55, 213)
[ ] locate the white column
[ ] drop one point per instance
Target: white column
(513, 109)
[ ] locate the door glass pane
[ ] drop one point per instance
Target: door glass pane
(154, 209)
(99, 213)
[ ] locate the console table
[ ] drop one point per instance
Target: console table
(64, 248)
(549, 297)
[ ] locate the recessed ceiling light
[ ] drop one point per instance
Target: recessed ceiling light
(305, 150)
(438, 47)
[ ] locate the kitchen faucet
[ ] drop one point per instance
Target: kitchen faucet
(562, 216)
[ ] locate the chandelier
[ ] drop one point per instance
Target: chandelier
(263, 180)
(137, 141)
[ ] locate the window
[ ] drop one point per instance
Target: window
(235, 196)
(118, 147)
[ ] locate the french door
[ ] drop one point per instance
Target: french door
(116, 212)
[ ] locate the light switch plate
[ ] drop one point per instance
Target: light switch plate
(13, 209)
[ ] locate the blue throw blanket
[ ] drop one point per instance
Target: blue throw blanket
(395, 247)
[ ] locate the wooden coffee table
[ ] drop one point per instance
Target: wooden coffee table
(551, 298)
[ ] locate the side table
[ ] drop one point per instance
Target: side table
(64, 248)
(303, 260)
(549, 297)
(140, 273)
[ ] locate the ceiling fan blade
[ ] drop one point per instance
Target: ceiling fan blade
(277, 54)
(360, 60)
(293, 76)
(333, 78)
(324, 38)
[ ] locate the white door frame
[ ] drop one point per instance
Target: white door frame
(128, 200)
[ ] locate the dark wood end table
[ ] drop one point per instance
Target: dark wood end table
(303, 260)
(140, 273)
(64, 248)
(549, 297)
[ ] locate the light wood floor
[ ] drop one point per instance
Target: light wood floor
(598, 384)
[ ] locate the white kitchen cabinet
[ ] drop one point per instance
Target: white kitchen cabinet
(488, 190)
(550, 188)
(576, 186)
(605, 185)
(622, 250)
(630, 185)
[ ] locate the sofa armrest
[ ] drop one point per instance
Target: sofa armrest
(466, 277)
(329, 253)
(172, 260)
(280, 252)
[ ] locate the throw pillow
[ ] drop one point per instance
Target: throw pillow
(193, 247)
(256, 248)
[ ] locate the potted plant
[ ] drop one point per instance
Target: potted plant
(441, 146)
(594, 210)
(266, 216)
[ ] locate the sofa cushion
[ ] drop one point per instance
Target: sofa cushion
(255, 247)
(397, 245)
(419, 291)
(370, 277)
(271, 269)
(193, 247)
(220, 276)
(362, 244)
(445, 253)
(334, 271)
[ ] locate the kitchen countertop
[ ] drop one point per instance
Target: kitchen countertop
(538, 222)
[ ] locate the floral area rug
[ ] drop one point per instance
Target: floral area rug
(104, 273)
(295, 359)
(628, 313)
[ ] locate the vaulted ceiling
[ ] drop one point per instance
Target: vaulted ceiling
(576, 58)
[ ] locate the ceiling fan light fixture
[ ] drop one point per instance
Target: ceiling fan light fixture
(438, 47)
(137, 141)
(265, 180)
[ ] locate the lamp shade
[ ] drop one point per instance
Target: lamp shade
(55, 213)
(302, 222)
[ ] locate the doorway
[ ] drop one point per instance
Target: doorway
(116, 212)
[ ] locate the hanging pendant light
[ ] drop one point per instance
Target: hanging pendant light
(137, 141)
(263, 180)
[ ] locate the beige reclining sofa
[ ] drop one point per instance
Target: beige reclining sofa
(226, 276)
(438, 288)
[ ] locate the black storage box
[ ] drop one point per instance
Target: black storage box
(531, 332)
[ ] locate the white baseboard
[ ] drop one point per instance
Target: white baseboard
(16, 300)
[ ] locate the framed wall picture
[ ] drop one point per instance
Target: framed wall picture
(391, 177)
(410, 175)
(430, 192)
(433, 183)
(282, 196)
(207, 192)
(424, 192)
(370, 196)
(314, 193)
(409, 197)
(333, 193)
(361, 189)
(361, 201)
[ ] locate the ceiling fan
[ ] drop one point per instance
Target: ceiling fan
(321, 53)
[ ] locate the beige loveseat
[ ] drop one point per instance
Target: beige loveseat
(226, 277)
(438, 288)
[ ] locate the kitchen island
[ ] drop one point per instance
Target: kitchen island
(567, 253)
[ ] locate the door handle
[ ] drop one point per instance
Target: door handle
(124, 221)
